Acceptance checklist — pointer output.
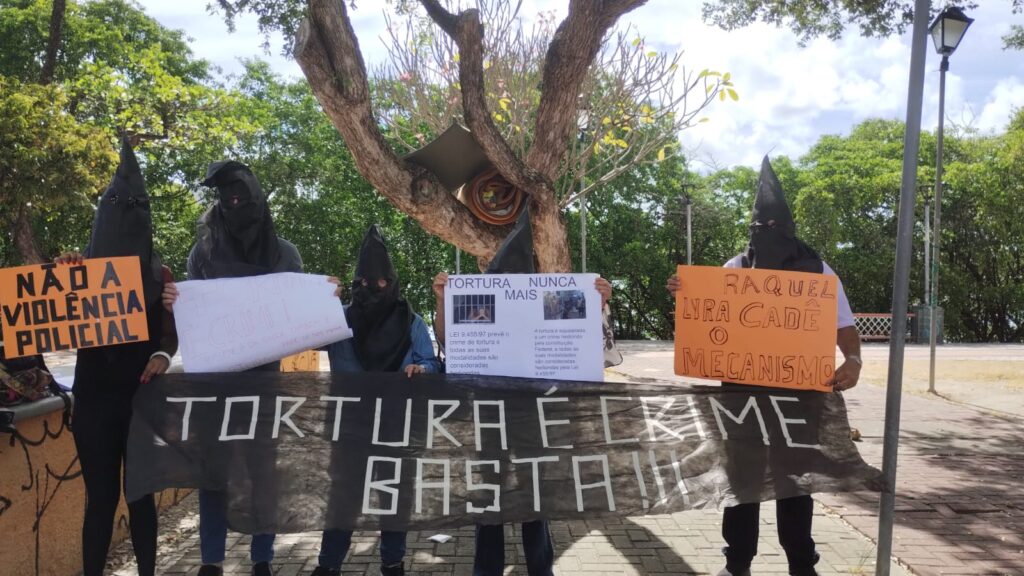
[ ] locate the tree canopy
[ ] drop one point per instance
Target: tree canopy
(830, 18)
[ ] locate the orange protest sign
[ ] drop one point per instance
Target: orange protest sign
(760, 327)
(50, 307)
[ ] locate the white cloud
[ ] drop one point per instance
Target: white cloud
(1007, 97)
(789, 95)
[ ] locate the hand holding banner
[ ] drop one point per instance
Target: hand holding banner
(761, 327)
(50, 307)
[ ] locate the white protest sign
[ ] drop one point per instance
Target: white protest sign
(528, 325)
(233, 324)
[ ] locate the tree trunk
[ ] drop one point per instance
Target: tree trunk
(53, 43)
(550, 243)
(24, 235)
(328, 52)
(24, 238)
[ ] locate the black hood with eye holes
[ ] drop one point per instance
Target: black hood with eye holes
(380, 318)
(773, 241)
(236, 235)
(123, 225)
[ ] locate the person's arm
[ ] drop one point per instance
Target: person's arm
(848, 339)
(440, 281)
(423, 358)
(160, 360)
(604, 288)
(848, 373)
(193, 271)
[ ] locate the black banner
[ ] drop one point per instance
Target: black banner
(305, 451)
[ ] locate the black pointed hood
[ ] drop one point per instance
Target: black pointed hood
(773, 242)
(770, 201)
(374, 261)
(236, 234)
(123, 225)
(515, 255)
(380, 317)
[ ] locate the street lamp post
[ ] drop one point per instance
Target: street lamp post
(676, 211)
(925, 193)
(689, 230)
(947, 30)
(583, 124)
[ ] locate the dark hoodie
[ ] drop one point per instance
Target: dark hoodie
(235, 237)
(775, 246)
(380, 318)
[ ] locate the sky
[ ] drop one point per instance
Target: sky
(790, 95)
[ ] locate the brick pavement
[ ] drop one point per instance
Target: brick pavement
(960, 500)
(684, 543)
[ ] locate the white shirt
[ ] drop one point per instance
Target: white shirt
(844, 315)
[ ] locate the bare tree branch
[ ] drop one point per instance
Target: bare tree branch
(570, 54)
(468, 33)
(328, 52)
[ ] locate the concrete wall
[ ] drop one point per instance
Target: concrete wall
(42, 500)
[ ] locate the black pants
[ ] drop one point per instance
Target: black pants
(489, 557)
(740, 531)
(101, 434)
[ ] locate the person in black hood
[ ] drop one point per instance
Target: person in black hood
(106, 377)
(387, 336)
(514, 256)
(235, 237)
(773, 242)
(774, 245)
(379, 316)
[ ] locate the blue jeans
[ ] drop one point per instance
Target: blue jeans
(213, 531)
(335, 543)
(489, 558)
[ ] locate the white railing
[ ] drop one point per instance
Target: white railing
(878, 327)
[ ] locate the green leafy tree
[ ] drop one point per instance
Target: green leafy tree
(982, 266)
(114, 71)
(47, 158)
(813, 18)
(845, 191)
(637, 236)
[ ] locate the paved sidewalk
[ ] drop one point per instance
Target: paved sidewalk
(685, 543)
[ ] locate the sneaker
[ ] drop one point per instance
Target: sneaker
(396, 570)
(726, 572)
(262, 569)
(321, 571)
(210, 570)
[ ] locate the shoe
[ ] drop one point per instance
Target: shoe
(396, 570)
(321, 571)
(726, 572)
(210, 570)
(262, 569)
